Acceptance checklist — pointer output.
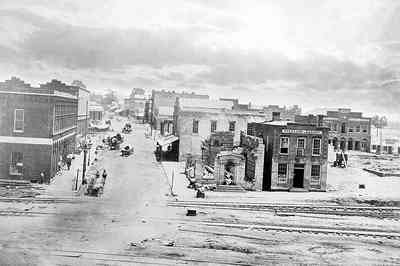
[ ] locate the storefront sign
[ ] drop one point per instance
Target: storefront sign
(302, 131)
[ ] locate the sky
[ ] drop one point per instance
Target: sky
(313, 53)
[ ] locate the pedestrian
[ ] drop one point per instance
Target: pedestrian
(97, 174)
(42, 178)
(68, 161)
(59, 164)
(104, 174)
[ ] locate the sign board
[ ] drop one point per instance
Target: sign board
(302, 131)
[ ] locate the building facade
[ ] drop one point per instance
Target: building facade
(296, 155)
(38, 127)
(83, 111)
(162, 107)
(196, 119)
(96, 112)
(348, 130)
(136, 103)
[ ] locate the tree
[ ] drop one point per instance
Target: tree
(379, 123)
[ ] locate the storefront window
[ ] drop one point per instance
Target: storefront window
(284, 147)
(16, 165)
(282, 173)
(315, 174)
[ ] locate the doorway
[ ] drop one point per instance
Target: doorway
(298, 178)
(350, 145)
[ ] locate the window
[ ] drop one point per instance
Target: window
(358, 128)
(365, 130)
(315, 174)
(285, 145)
(316, 148)
(282, 173)
(213, 126)
(373, 147)
(195, 126)
(301, 143)
(232, 126)
(343, 129)
(16, 163)
(350, 129)
(19, 120)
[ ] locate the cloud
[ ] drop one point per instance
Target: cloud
(190, 54)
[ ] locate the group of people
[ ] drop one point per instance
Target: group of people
(95, 184)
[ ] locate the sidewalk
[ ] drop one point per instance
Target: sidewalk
(64, 183)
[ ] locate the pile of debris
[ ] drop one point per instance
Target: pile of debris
(19, 188)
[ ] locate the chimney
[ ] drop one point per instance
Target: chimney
(320, 120)
(276, 116)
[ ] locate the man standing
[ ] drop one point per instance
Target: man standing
(68, 161)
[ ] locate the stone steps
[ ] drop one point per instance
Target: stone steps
(229, 188)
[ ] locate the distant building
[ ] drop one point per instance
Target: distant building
(162, 107)
(96, 112)
(136, 102)
(83, 111)
(296, 155)
(389, 145)
(196, 119)
(147, 106)
(286, 113)
(38, 127)
(348, 130)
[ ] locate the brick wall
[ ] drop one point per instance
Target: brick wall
(253, 149)
(36, 158)
(190, 142)
(36, 115)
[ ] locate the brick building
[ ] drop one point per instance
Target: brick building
(296, 155)
(196, 119)
(162, 108)
(38, 125)
(348, 130)
(135, 104)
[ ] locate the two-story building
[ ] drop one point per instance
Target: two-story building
(162, 108)
(196, 119)
(38, 127)
(296, 155)
(348, 130)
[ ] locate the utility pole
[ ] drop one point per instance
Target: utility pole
(84, 163)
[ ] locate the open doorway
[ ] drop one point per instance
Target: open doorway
(298, 178)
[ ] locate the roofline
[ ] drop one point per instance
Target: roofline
(37, 94)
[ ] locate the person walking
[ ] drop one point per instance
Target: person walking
(104, 174)
(42, 178)
(68, 161)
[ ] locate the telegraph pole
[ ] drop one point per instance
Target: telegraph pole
(84, 163)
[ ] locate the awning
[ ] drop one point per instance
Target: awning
(167, 140)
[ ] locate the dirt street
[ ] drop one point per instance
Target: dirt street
(132, 225)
